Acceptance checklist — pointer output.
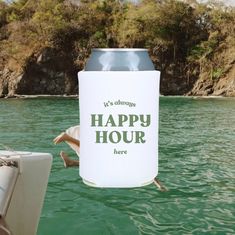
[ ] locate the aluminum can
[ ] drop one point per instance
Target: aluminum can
(124, 59)
(119, 103)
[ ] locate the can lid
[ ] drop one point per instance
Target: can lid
(119, 59)
(119, 49)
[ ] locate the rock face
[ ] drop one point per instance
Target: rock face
(223, 87)
(226, 86)
(9, 82)
(53, 72)
(48, 73)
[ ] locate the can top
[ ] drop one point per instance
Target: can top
(119, 59)
(119, 49)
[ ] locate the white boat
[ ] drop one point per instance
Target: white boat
(23, 182)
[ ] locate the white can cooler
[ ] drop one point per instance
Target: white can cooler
(119, 127)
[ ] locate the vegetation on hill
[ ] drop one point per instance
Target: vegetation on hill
(189, 42)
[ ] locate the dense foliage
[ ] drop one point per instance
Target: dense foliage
(185, 38)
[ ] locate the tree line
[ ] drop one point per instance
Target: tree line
(185, 38)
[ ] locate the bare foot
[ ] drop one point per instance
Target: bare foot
(60, 138)
(67, 161)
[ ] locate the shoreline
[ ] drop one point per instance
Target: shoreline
(77, 96)
(38, 96)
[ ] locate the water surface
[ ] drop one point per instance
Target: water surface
(196, 164)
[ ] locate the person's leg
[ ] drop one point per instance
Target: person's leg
(67, 161)
(65, 137)
(4, 230)
(160, 185)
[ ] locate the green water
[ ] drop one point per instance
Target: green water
(196, 164)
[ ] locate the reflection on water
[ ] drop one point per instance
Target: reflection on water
(196, 163)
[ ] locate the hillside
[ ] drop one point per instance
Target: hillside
(44, 43)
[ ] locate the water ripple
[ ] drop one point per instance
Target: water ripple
(196, 164)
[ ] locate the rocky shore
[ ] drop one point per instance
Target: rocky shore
(46, 82)
(45, 76)
(222, 87)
